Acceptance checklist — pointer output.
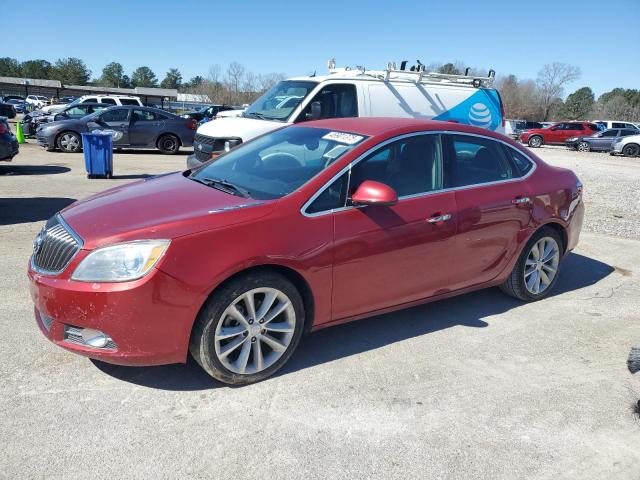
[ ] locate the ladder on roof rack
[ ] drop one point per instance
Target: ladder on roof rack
(419, 75)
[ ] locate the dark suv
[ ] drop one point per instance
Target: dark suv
(8, 143)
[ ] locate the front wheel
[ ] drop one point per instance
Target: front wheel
(584, 147)
(535, 141)
(249, 328)
(536, 271)
(168, 144)
(69, 142)
(631, 150)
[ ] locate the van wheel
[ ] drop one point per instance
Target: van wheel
(536, 271)
(535, 141)
(631, 150)
(249, 328)
(168, 144)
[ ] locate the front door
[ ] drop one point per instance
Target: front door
(390, 255)
(494, 207)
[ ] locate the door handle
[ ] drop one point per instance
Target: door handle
(439, 218)
(520, 200)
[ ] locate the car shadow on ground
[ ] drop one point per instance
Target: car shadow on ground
(32, 169)
(140, 151)
(26, 210)
(342, 341)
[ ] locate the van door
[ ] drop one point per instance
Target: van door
(337, 100)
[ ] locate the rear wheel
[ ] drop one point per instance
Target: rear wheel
(584, 147)
(168, 144)
(69, 142)
(631, 150)
(535, 141)
(536, 271)
(249, 328)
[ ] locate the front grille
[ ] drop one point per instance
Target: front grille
(74, 335)
(216, 144)
(55, 246)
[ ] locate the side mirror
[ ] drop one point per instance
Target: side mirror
(316, 111)
(374, 193)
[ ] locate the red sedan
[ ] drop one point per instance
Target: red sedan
(300, 229)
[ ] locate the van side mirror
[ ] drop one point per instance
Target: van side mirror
(371, 192)
(316, 111)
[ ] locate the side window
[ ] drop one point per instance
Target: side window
(90, 100)
(410, 166)
(520, 164)
(474, 160)
(332, 197)
(129, 101)
(108, 101)
(575, 126)
(336, 101)
(627, 132)
(115, 115)
(76, 112)
(593, 127)
(609, 133)
(617, 125)
(143, 116)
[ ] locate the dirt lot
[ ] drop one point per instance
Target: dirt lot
(478, 387)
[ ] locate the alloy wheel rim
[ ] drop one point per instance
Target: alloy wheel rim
(535, 141)
(69, 142)
(541, 265)
(169, 144)
(255, 330)
(583, 146)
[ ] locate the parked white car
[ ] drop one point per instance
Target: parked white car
(627, 146)
(346, 92)
(110, 100)
(38, 101)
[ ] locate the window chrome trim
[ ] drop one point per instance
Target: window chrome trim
(303, 209)
(75, 236)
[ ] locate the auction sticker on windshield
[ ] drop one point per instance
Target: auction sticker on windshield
(342, 137)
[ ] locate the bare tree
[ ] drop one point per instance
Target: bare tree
(552, 79)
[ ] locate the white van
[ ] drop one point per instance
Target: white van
(346, 92)
(109, 100)
(607, 124)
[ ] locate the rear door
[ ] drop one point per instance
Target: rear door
(390, 255)
(145, 127)
(494, 206)
(117, 119)
(604, 140)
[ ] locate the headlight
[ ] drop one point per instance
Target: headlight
(122, 262)
(572, 139)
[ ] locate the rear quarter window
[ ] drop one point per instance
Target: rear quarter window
(521, 164)
(129, 101)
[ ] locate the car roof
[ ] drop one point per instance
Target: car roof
(138, 107)
(371, 126)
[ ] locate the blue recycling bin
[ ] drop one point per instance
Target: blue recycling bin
(98, 154)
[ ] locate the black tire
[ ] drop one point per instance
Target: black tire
(515, 284)
(535, 141)
(631, 150)
(583, 147)
(77, 146)
(168, 144)
(202, 336)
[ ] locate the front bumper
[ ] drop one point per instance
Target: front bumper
(148, 320)
(616, 148)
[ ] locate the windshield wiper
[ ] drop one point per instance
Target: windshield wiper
(224, 186)
(261, 116)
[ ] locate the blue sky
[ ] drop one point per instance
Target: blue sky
(602, 38)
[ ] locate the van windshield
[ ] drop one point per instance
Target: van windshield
(278, 163)
(279, 102)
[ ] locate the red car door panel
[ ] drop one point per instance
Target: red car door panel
(386, 256)
(489, 223)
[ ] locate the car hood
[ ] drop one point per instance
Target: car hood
(167, 207)
(244, 128)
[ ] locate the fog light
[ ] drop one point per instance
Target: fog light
(94, 338)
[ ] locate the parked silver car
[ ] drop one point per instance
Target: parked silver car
(627, 146)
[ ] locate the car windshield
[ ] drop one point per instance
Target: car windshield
(279, 102)
(278, 163)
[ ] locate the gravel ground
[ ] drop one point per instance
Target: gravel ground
(612, 188)
(474, 387)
